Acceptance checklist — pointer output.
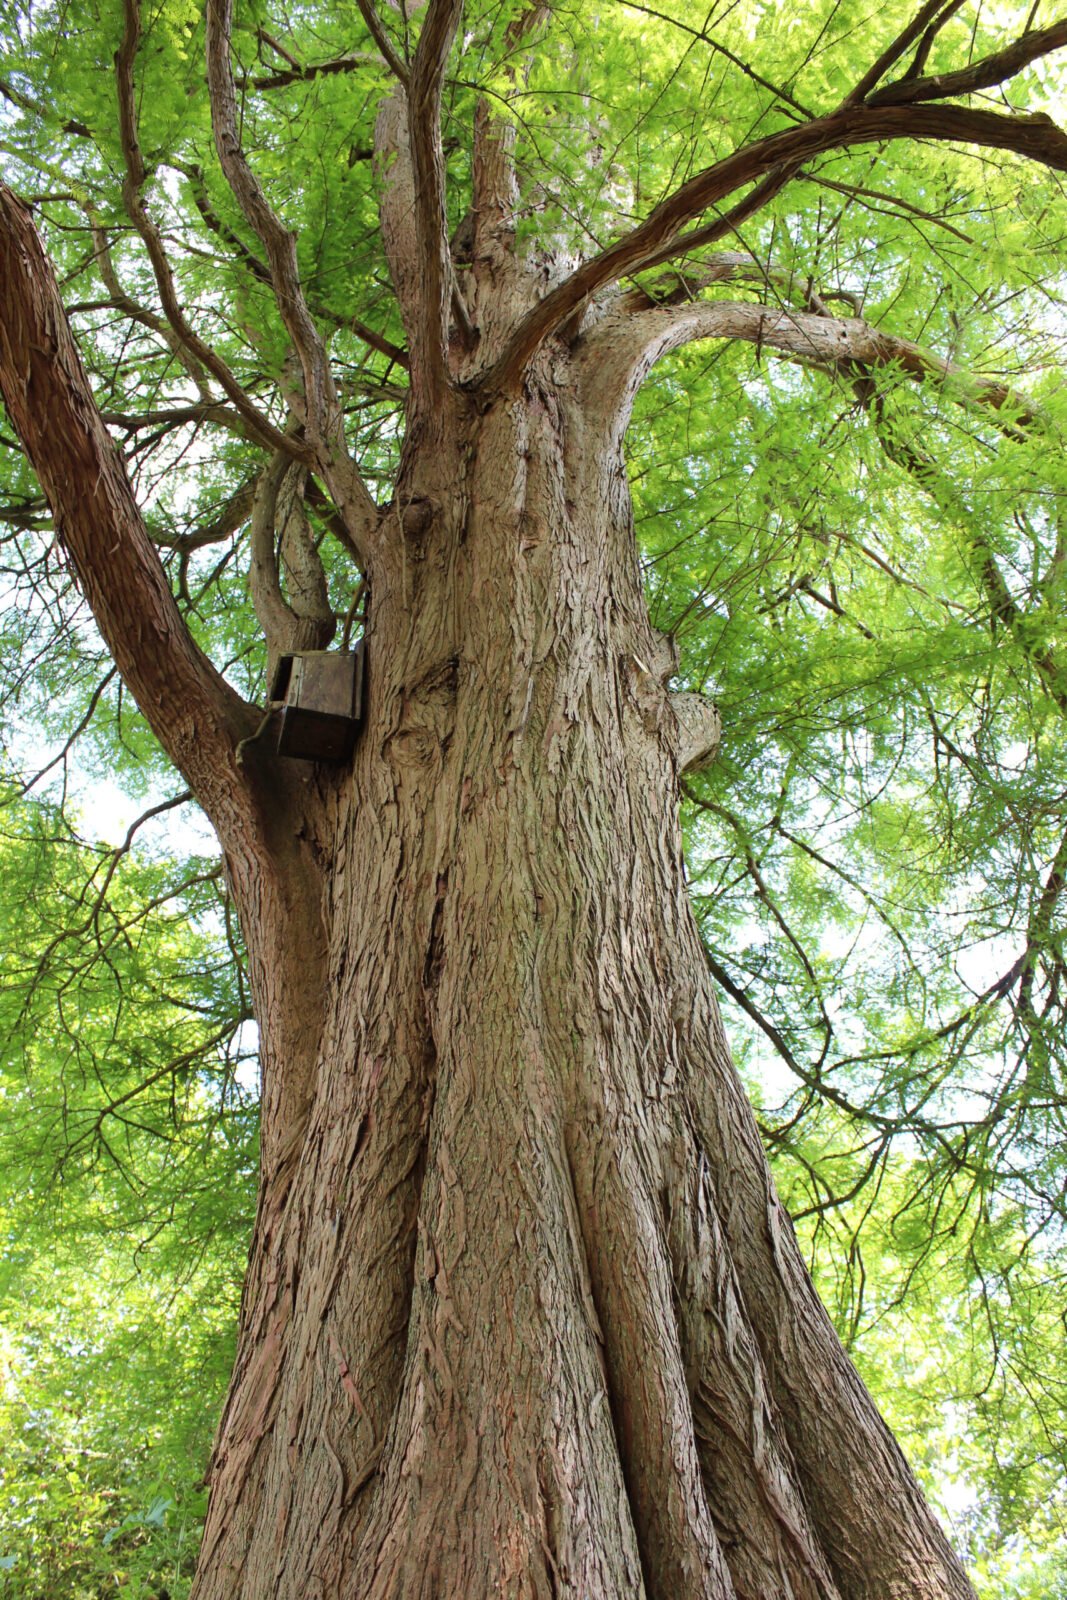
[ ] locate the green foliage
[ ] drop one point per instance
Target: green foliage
(127, 1179)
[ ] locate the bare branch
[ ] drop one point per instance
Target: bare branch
(259, 426)
(1036, 137)
(323, 420)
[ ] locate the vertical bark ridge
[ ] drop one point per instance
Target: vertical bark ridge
(649, 1398)
(750, 1477)
(880, 1538)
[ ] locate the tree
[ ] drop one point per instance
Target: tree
(523, 1312)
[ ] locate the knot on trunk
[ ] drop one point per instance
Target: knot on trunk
(416, 518)
(699, 729)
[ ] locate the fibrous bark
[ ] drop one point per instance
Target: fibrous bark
(528, 1319)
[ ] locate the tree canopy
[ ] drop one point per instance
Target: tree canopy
(849, 500)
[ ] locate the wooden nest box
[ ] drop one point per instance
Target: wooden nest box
(321, 695)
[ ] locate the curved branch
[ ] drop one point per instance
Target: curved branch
(323, 419)
(307, 622)
(1036, 137)
(193, 712)
(234, 511)
(619, 354)
(259, 426)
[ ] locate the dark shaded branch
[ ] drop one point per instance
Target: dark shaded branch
(72, 739)
(194, 713)
(137, 313)
(759, 196)
(855, 191)
(382, 40)
(984, 74)
(15, 97)
(92, 920)
(301, 74)
(928, 21)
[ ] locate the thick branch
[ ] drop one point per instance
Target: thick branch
(699, 238)
(984, 74)
(621, 353)
(1036, 137)
(232, 514)
(195, 715)
(307, 621)
(305, 74)
(430, 378)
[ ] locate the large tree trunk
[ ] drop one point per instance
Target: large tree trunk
(524, 1316)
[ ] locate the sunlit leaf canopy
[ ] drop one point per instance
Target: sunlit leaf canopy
(864, 565)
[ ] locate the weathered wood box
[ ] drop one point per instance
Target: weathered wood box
(321, 695)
